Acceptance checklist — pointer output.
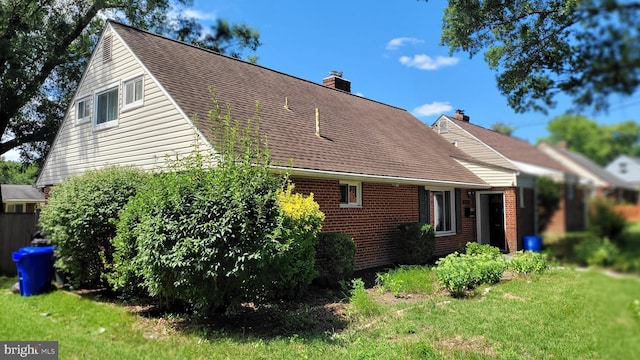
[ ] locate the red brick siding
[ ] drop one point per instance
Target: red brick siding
(570, 214)
(450, 243)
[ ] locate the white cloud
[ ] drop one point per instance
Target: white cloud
(396, 43)
(199, 15)
(435, 108)
(426, 62)
(12, 155)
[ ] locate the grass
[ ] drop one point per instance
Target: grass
(408, 280)
(562, 314)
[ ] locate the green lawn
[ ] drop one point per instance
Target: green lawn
(563, 314)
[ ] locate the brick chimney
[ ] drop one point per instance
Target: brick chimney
(461, 116)
(336, 81)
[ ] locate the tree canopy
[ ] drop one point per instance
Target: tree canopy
(502, 128)
(586, 49)
(600, 143)
(45, 46)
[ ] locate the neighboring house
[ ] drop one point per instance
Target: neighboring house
(20, 198)
(601, 182)
(371, 166)
(627, 168)
(516, 167)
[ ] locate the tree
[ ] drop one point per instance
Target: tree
(502, 128)
(586, 49)
(45, 46)
(12, 172)
(600, 143)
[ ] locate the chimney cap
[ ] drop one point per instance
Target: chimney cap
(335, 73)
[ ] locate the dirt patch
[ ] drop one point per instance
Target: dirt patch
(475, 344)
(510, 296)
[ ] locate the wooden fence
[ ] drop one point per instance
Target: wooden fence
(16, 231)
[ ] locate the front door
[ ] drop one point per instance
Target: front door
(496, 220)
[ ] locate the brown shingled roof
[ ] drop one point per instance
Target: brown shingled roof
(511, 147)
(359, 136)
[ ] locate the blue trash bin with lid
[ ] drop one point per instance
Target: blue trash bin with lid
(533, 243)
(35, 266)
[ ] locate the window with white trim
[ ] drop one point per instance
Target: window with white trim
(106, 108)
(133, 92)
(444, 211)
(443, 126)
(83, 110)
(350, 194)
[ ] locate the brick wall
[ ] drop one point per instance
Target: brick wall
(570, 214)
(374, 226)
(526, 216)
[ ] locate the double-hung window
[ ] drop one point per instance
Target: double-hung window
(83, 110)
(444, 211)
(350, 194)
(133, 92)
(106, 108)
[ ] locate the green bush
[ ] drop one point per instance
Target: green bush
(335, 258)
(460, 272)
(596, 252)
(604, 221)
(474, 248)
(78, 219)
(295, 267)
(417, 242)
(528, 262)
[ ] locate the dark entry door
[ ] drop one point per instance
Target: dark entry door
(496, 220)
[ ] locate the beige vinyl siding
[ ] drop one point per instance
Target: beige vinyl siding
(471, 145)
(496, 177)
(143, 136)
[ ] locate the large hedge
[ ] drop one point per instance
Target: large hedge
(78, 218)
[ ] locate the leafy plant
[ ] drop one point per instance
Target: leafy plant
(363, 303)
(417, 243)
(604, 221)
(460, 272)
(335, 258)
(549, 195)
(528, 262)
(596, 252)
(635, 308)
(78, 219)
(474, 248)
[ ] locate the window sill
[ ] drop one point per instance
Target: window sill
(350, 206)
(106, 125)
(132, 106)
(83, 121)
(447, 233)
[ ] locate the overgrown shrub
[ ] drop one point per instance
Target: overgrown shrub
(460, 272)
(604, 220)
(417, 243)
(362, 302)
(302, 221)
(596, 252)
(78, 219)
(474, 248)
(549, 194)
(528, 262)
(213, 231)
(335, 258)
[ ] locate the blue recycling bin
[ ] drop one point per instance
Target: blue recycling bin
(35, 266)
(533, 243)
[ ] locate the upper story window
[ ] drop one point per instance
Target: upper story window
(444, 211)
(133, 92)
(83, 110)
(443, 127)
(350, 194)
(623, 167)
(106, 108)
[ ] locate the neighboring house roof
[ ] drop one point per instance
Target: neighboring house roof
(626, 167)
(20, 193)
(512, 148)
(358, 135)
(591, 167)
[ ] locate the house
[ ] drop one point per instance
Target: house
(20, 198)
(601, 182)
(371, 166)
(516, 167)
(627, 168)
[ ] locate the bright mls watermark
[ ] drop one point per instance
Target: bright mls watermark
(36, 350)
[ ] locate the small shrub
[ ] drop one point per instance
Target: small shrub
(407, 280)
(79, 216)
(596, 252)
(474, 248)
(635, 308)
(604, 220)
(335, 258)
(528, 262)
(417, 242)
(302, 221)
(461, 272)
(364, 304)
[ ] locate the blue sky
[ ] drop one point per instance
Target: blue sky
(390, 52)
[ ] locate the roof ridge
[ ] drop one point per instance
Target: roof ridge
(245, 62)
